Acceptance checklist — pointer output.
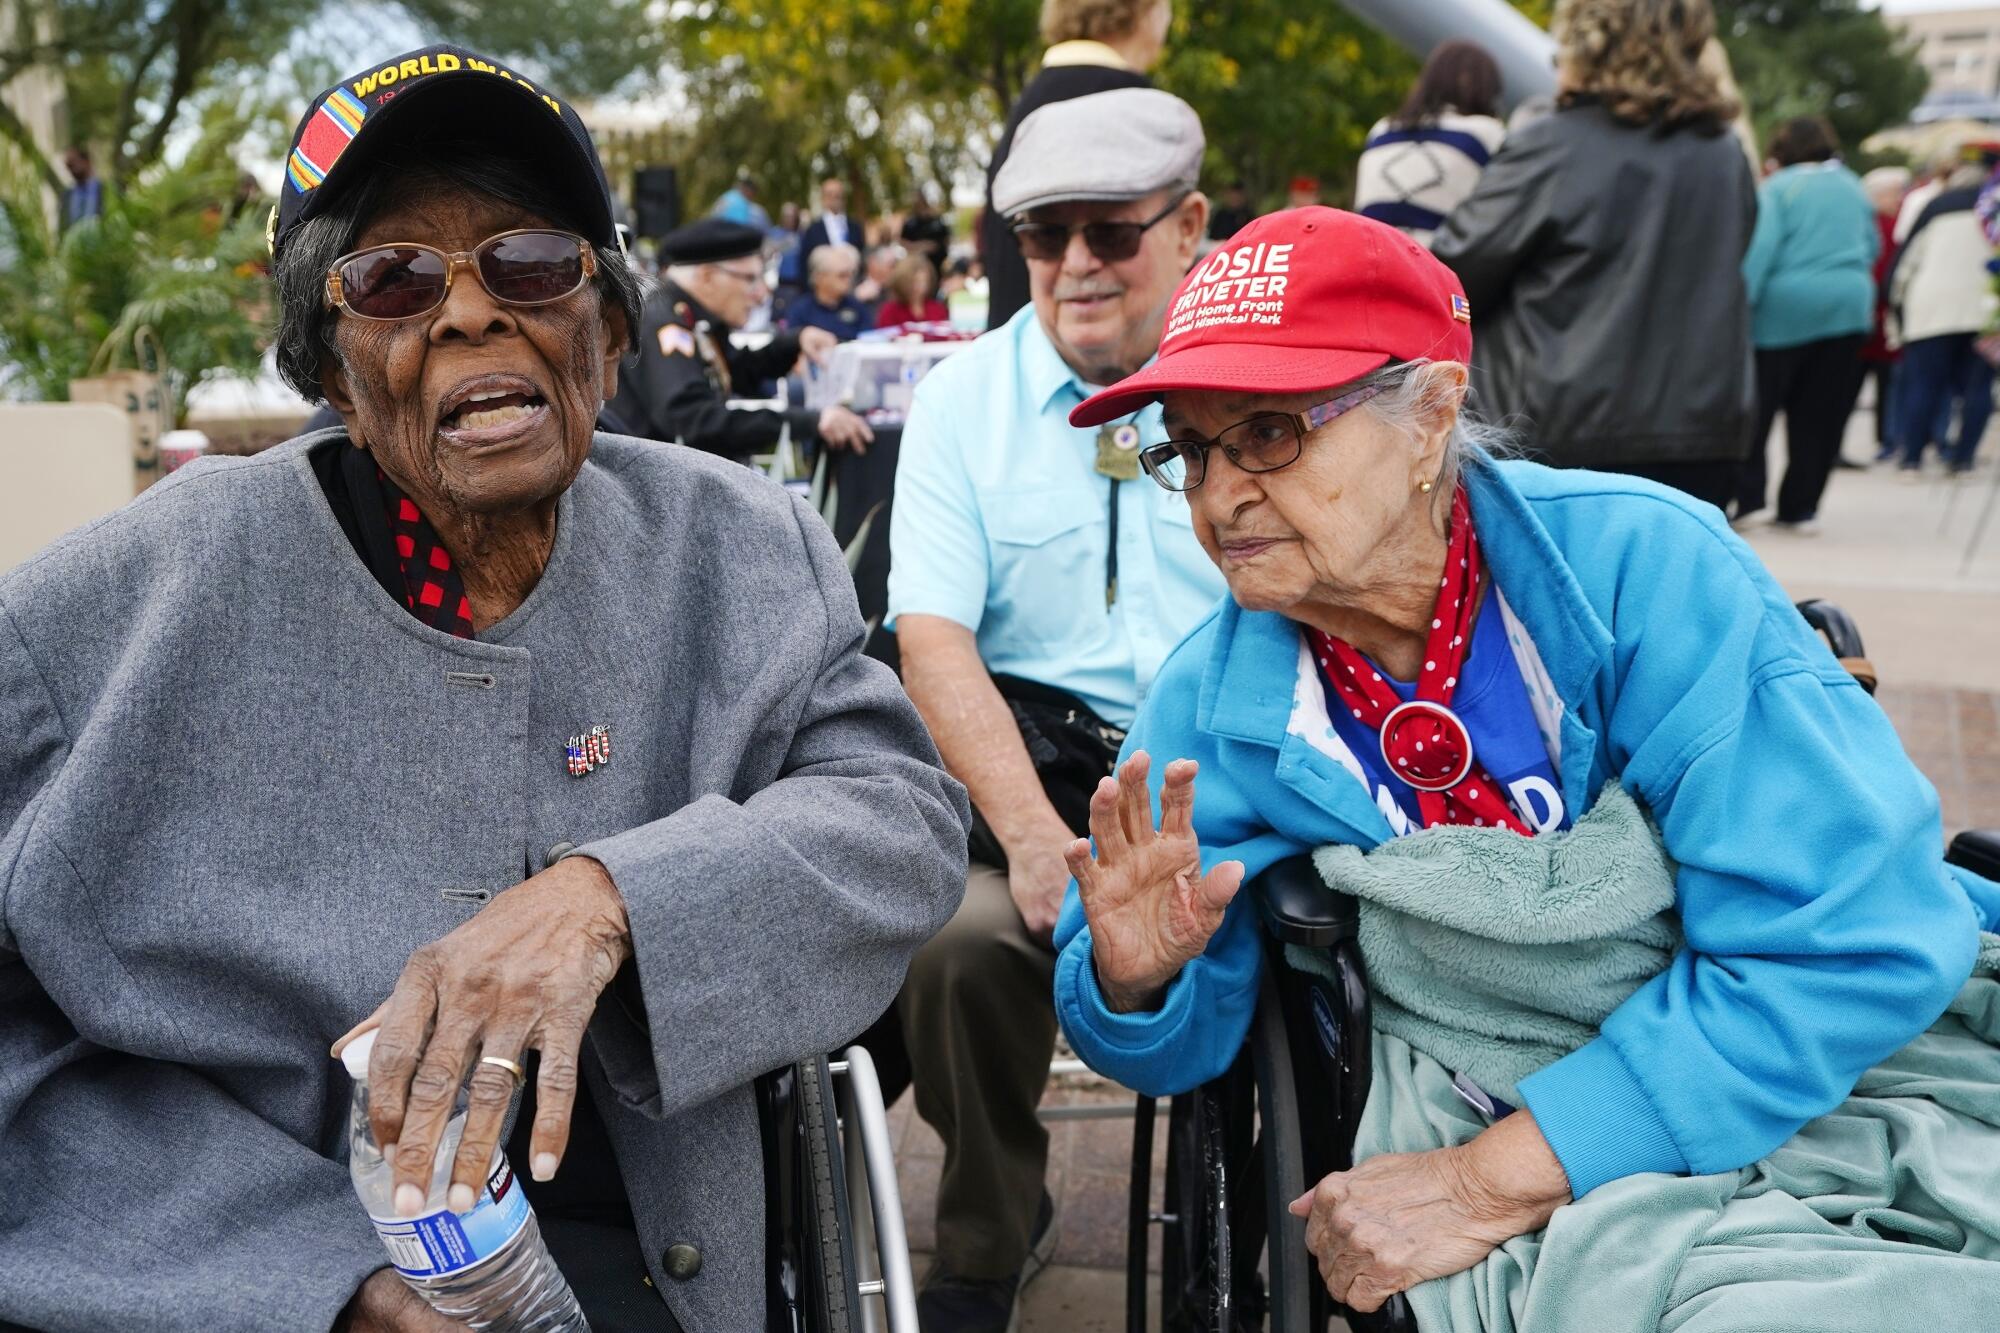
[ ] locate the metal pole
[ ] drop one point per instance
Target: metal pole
(1523, 51)
(892, 1242)
(1979, 528)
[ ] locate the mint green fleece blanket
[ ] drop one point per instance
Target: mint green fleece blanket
(1883, 1214)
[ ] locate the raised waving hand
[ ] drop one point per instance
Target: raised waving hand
(1150, 907)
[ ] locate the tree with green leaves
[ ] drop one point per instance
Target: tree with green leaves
(1829, 58)
(135, 71)
(1283, 90)
(166, 255)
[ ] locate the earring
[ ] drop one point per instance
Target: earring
(1424, 487)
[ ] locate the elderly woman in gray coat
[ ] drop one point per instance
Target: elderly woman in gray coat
(561, 742)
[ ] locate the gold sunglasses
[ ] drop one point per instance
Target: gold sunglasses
(407, 279)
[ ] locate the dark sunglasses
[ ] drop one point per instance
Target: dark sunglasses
(1263, 443)
(1109, 241)
(405, 280)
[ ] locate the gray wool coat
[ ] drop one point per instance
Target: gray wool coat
(239, 785)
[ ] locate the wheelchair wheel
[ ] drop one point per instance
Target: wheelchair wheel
(833, 1300)
(1196, 1281)
(1295, 1295)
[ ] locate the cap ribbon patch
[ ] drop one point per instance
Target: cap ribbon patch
(326, 136)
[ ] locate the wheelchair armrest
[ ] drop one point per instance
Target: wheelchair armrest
(1978, 850)
(1298, 908)
(1841, 635)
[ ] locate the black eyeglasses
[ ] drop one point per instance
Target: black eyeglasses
(1263, 443)
(405, 280)
(1109, 241)
(748, 277)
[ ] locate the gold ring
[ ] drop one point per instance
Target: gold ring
(520, 1074)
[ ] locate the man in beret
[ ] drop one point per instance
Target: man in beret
(688, 369)
(1035, 586)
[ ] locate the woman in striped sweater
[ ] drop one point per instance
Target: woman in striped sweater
(1419, 163)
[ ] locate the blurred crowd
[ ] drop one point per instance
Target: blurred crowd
(1682, 292)
(1660, 311)
(849, 275)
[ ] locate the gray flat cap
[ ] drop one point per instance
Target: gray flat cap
(1107, 147)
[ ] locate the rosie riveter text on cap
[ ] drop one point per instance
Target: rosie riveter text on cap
(1245, 285)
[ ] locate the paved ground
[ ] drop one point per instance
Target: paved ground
(1891, 551)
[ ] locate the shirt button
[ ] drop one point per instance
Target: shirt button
(681, 1261)
(557, 853)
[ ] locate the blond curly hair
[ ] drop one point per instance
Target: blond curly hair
(1091, 20)
(1642, 60)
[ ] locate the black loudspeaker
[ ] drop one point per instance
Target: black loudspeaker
(656, 200)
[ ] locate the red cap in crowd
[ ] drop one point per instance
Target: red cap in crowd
(1300, 300)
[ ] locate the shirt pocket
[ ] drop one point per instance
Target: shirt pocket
(1045, 551)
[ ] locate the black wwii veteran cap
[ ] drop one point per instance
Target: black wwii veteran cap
(710, 241)
(440, 92)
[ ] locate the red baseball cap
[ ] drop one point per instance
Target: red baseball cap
(1296, 301)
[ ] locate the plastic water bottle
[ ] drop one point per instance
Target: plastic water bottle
(487, 1268)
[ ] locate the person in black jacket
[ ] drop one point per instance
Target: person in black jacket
(1602, 252)
(688, 369)
(1094, 46)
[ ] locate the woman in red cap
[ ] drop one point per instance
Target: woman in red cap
(1420, 635)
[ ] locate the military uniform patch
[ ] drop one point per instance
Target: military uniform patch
(676, 341)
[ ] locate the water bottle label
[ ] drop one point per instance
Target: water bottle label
(443, 1242)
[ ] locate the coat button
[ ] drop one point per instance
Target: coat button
(681, 1261)
(557, 853)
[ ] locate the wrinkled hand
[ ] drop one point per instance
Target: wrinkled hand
(384, 1303)
(1151, 910)
(816, 344)
(524, 973)
(1038, 877)
(842, 429)
(1404, 1218)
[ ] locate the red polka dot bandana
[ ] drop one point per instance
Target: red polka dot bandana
(432, 588)
(1423, 742)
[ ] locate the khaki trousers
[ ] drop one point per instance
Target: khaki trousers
(979, 1022)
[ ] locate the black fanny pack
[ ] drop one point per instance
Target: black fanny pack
(1072, 748)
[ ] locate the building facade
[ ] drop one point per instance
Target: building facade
(1960, 48)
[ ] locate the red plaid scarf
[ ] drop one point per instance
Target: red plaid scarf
(1421, 744)
(432, 588)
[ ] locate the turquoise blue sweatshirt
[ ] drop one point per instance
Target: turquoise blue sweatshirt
(1810, 267)
(1823, 929)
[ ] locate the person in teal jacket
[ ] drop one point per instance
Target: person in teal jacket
(1417, 634)
(1810, 271)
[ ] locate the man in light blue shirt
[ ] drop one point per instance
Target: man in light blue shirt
(1030, 561)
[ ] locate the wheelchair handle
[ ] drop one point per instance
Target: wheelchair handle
(1978, 850)
(1298, 908)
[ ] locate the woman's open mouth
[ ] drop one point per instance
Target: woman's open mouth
(491, 410)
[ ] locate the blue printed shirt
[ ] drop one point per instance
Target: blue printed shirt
(1002, 524)
(1492, 701)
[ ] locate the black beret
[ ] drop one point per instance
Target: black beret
(710, 241)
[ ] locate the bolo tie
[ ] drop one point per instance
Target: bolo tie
(1117, 460)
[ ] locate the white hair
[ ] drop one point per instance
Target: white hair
(1415, 394)
(1886, 178)
(827, 254)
